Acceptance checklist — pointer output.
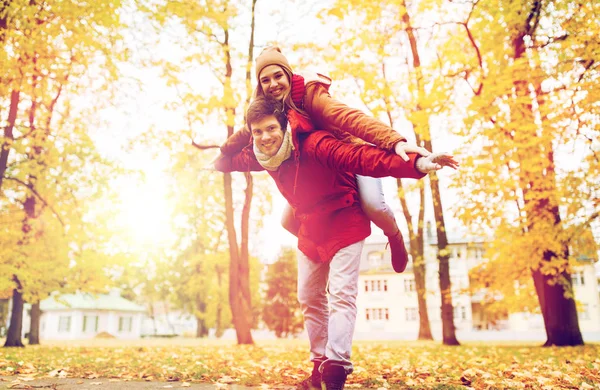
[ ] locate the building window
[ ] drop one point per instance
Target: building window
(578, 279)
(478, 253)
(584, 314)
(377, 314)
(64, 324)
(90, 323)
(125, 324)
(454, 254)
(409, 285)
(460, 313)
(375, 259)
(411, 313)
(376, 285)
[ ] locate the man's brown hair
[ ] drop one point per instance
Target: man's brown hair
(264, 106)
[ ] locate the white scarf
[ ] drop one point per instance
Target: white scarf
(284, 152)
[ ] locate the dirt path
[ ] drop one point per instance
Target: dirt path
(8, 382)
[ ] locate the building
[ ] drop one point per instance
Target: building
(163, 320)
(84, 316)
(387, 301)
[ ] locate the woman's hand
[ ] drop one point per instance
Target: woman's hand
(402, 148)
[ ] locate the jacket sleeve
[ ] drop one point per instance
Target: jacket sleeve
(237, 141)
(329, 113)
(365, 160)
(243, 161)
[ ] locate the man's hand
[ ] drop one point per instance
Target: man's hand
(435, 162)
(403, 147)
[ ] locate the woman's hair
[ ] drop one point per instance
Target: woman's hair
(264, 106)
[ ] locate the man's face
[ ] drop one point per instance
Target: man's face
(274, 81)
(267, 135)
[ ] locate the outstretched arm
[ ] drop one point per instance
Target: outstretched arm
(238, 140)
(328, 113)
(243, 161)
(368, 160)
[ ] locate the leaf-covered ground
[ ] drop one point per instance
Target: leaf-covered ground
(377, 364)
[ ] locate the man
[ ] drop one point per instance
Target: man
(315, 172)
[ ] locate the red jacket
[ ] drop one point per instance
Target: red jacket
(318, 182)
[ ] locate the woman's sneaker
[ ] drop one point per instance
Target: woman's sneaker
(399, 253)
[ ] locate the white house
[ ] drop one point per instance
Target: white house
(83, 316)
(387, 302)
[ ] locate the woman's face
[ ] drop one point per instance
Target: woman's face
(274, 82)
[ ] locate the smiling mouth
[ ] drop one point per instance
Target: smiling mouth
(276, 92)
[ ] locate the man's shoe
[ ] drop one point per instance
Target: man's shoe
(399, 254)
(313, 382)
(333, 378)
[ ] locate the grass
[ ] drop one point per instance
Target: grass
(394, 364)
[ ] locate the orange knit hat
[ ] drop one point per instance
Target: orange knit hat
(272, 56)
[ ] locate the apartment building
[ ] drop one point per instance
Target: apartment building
(387, 301)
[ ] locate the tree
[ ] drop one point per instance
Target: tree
(210, 30)
(45, 48)
(533, 109)
(383, 38)
(281, 312)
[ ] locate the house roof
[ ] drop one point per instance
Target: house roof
(85, 301)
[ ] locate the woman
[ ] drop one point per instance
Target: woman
(309, 96)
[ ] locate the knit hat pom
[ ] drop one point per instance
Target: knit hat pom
(271, 56)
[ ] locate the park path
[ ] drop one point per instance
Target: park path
(8, 382)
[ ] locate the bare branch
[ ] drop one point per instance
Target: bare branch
(204, 147)
(39, 197)
(586, 68)
(552, 40)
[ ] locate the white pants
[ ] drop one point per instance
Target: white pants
(330, 327)
(372, 201)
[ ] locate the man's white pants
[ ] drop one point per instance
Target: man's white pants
(330, 328)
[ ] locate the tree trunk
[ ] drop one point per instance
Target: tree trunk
(417, 252)
(559, 312)
(240, 312)
(448, 329)
(219, 315)
(201, 328)
(8, 134)
(15, 328)
(34, 327)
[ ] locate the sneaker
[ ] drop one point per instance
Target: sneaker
(313, 382)
(399, 254)
(333, 378)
